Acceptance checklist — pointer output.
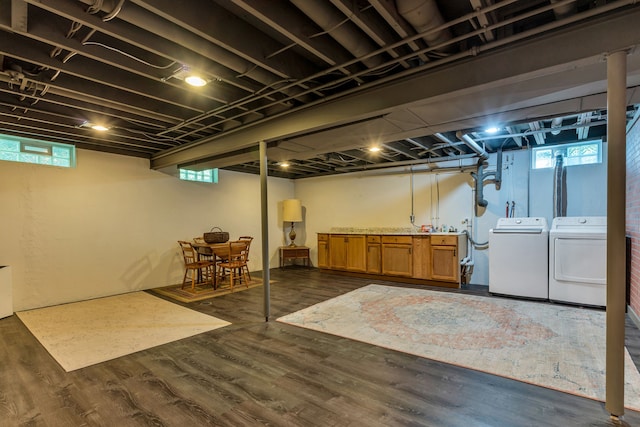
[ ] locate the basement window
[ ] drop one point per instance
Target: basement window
(579, 153)
(27, 150)
(207, 175)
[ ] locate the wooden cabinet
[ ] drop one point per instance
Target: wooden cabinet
(397, 259)
(348, 252)
(323, 250)
(374, 255)
(446, 253)
(422, 257)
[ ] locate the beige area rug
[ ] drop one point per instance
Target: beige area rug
(203, 291)
(88, 332)
(553, 346)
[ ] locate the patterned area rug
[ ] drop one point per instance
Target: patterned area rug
(554, 346)
(84, 333)
(203, 291)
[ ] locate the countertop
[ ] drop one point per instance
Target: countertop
(397, 231)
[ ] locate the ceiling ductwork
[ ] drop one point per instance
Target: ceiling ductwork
(341, 29)
(424, 15)
(563, 10)
(319, 81)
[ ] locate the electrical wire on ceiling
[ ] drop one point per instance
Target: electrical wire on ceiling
(95, 7)
(279, 51)
(116, 10)
(102, 45)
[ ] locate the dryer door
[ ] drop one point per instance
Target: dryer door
(580, 260)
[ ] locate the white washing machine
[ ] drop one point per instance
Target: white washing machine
(519, 258)
(578, 260)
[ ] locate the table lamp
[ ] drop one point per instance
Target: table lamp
(292, 212)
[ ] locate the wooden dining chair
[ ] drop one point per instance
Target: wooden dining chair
(249, 239)
(235, 265)
(194, 267)
(204, 253)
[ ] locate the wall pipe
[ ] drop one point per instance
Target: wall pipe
(480, 176)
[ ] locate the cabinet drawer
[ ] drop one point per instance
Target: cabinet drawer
(405, 240)
(323, 237)
(373, 239)
(444, 240)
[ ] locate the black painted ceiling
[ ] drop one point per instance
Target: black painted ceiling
(121, 63)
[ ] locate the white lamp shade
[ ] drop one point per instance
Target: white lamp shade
(292, 210)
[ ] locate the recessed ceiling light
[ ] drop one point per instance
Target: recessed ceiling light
(284, 164)
(94, 126)
(374, 149)
(492, 129)
(195, 81)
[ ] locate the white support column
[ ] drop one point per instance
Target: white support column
(265, 230)
(616, 251)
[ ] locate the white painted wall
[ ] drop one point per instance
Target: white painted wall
(111, 225)
(383, 199)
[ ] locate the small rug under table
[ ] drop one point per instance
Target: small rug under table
(84, 333)
(554, 346)
(203, 291)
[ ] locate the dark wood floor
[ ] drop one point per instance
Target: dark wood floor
(258, 373)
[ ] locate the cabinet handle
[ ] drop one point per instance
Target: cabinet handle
(454, 253)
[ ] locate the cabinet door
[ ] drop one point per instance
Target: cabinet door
(397, 259)
(323, 254)
(421, 257)
(374, 262)
(357, 253)
(338, 251)
(444, 263)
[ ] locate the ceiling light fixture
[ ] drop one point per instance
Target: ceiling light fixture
(185, 74)
(492, 129)
(284, 164)
(196, 81)
(374, 149)
(95, 126)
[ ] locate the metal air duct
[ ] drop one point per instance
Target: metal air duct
(424, 15)
(333, 22)
(563, 11)
(559, 188)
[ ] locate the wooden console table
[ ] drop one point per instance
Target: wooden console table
(294, 253)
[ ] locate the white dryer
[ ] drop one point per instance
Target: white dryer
(519, 258)
(578, 260)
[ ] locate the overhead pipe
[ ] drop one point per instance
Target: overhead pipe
(424, 15)
(447, 141)
(333, 23)
(407, 163)
(473, 145)
(556, 124)
(564, 9)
